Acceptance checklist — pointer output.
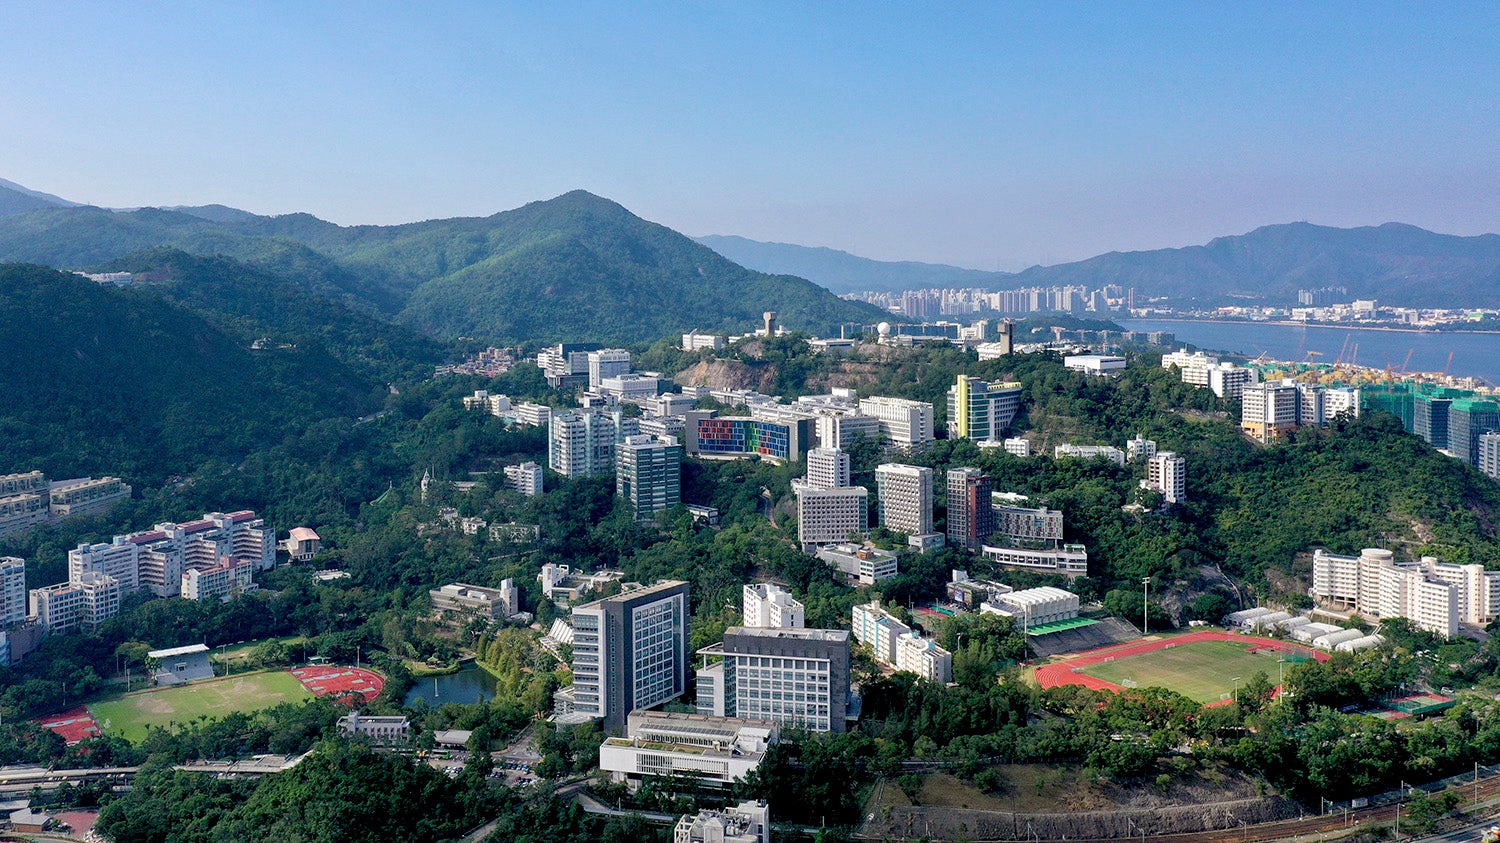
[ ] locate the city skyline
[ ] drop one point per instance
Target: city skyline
(991, 137)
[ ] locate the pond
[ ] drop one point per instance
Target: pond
(471, 684)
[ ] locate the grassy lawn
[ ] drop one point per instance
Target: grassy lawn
(128, 716)
(1202, 671)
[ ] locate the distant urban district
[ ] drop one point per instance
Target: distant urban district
(279, 566)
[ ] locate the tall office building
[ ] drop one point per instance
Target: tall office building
(607, 363)
(769, 605)
(1167, 473)
(1469, 419)
(980, 410)
(630, 651)
(582, 444)
(828, 468)
(905, 498)
(12, 590)
(648, 474)
(1430, 416)
(906, 424)
(790, 677)
(1489, 455)
(970, 514)
(828, 516)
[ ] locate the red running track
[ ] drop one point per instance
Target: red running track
(340, 681)
(74, 725)
(1062, 673)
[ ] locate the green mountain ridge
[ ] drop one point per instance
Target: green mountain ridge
(570, 268)
(841, 271)
(127, 382)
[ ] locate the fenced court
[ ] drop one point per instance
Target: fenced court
(1200, 665)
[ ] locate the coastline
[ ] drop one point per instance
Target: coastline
(1331, 326)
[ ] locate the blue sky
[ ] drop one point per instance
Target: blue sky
(990, 135)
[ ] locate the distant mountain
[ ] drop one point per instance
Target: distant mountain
(213, 213)
(15, 199)
(572, 268)
(842, 272)
(1394, 263)
(112, 381)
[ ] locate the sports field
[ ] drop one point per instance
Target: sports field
(1201, 670)
(129, 716)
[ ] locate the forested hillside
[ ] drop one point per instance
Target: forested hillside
(577, 267)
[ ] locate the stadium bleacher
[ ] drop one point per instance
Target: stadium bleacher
(1102, 634)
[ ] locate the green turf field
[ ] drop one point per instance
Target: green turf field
(1202, 671)
(129, 715)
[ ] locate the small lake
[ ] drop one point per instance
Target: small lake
(471, 684)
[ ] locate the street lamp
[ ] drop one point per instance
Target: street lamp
(1145, 597)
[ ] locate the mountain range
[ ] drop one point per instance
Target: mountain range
(1394, 263)
(577, 267)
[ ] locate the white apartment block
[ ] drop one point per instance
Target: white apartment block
(694, 341)
(1088, 452)
(119, 560)
(24, 501)
(923, 656)
(1167, 473)
(12, 590)
(838, 429)
(904, 495)
(532, 415)
(1203, 370)
(159, 558)
(1024, 524)
(84, 604)
(224, 581)
(828, 468)
(1071, 560)
(879, 630)
(86, 495)
(582, 444)
(484, 402)
(1140, 448)
(905, 423)
(827, 516)
(525, 478)
(1433, 595)
(1017, 446)
(769, 605)
(1269, 410)
(1489, 455)
(607, 363)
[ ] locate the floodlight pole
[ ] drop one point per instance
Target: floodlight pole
(1145, 598)
(1234, 690)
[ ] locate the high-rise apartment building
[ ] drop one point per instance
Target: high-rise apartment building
(1469, 419)
(630, 651)
(828, 468)
(648, 474)
(1489, 455)
(980, 410)
(1269, 410)
(525, 478)
(906, 424)
(1433, 595)
(1140, 448)
(790, 677)
(582, 444)
(607, 363)
(905, 498)
(970, 515)
(1167, 473)
(1430, 416)
(769, 605)
(85, 604)
(12, 590)
(878, 629)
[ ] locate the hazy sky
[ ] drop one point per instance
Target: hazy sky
(985, 135)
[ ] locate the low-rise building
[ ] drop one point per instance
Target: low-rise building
(923, 656)
(383, 730)
(750, 822)
(714, 751)
(525, 478)
(489, 603)
(1034, 606)
(1088, 452)
(868, 565)
(1017, 446)
(86, 495)
(1071, 560)
(302, 544)
(223, 581)
(1095, 364)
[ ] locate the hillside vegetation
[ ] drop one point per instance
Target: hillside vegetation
(577, 267)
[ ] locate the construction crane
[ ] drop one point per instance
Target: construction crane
(1448, 365)
(1343, 351)
(1312, 354)
(1407, 361)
